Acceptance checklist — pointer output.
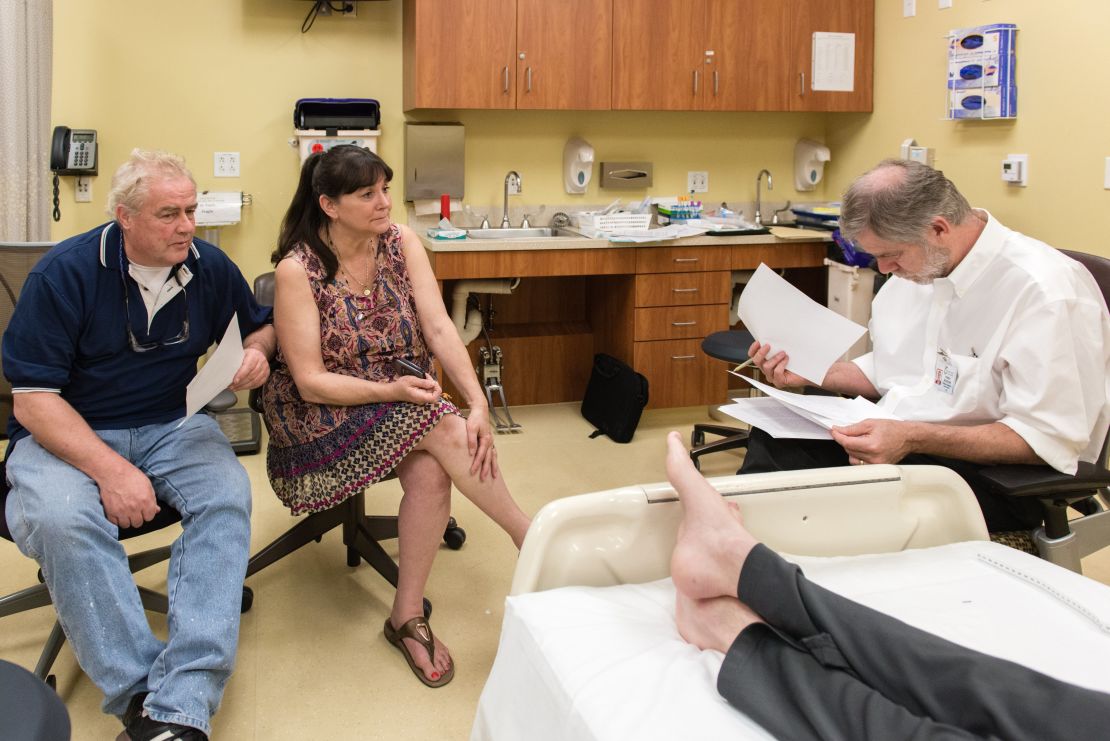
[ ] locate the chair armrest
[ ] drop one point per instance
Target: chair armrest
(1043, 481)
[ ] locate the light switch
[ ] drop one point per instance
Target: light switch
(909, 8)
(1106, 176)
(942, 4)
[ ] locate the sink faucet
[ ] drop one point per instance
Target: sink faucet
(770, 186)
(512, 185)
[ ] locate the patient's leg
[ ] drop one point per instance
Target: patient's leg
(807, 626)
(712, 543)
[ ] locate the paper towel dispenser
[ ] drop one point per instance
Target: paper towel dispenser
(435, 161)
(626, 175)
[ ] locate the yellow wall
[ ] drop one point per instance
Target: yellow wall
(222, 75)
(1063, 74)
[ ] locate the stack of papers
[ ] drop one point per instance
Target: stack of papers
(813, 338)
(789, 415)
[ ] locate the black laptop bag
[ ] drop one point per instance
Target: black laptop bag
(615, 398)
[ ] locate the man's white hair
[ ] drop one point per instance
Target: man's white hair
(131, 183)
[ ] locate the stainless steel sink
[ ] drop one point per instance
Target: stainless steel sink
(531, 233)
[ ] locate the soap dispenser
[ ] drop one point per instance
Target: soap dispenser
(578, 165)
(809, 163)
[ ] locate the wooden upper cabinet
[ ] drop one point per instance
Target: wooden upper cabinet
(459, 54)
(750, 41)
(658, 54)
(651, 55)
(842, 16)
(564, 54)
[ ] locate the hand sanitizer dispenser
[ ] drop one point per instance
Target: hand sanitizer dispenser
(578, 165)
(809, 164)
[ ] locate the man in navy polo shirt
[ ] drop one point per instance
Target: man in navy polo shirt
(103, 341)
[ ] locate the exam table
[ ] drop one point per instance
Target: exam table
(589, 649)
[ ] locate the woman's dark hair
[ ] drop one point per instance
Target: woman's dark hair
(340, 170)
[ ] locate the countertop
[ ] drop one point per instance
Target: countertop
(586, 243)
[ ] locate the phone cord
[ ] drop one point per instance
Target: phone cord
(57, 211)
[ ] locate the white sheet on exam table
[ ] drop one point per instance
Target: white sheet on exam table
(607, 663)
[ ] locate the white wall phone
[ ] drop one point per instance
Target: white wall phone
(72, 152)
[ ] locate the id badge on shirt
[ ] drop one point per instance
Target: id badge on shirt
(945, 373)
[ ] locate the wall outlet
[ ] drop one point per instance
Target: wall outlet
(697, 182)
(226, 165)
(82, 190)
(1106, 175)
(909, 8)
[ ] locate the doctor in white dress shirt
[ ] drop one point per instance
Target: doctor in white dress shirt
(989, 346)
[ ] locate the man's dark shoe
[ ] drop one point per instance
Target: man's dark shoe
(134, 709)
(143, 728)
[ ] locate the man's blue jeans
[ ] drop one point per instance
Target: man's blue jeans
(56, 517)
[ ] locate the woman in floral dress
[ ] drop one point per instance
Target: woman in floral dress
(353, 292)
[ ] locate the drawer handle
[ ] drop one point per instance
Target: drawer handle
(683, 324)
(684, 290)
(686, 259)
(683, 357)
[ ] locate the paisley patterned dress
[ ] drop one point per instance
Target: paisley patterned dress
(319, 454)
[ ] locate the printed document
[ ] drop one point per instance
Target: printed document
(801, 416)
(779, 315)
(217, 373)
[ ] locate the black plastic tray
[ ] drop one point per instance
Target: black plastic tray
(737, 232)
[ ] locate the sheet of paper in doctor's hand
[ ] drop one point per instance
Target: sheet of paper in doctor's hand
(778, 314)
(217, 373)
(774, 418)
(824, 411)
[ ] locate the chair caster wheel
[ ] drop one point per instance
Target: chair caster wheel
(697, 463)
(454, 537)
(697, 437)
(42, 579)
(248, 600)
(427, 608)
(52, 681)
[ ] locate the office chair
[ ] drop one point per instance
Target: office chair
(731, 346)
(16, 261)
(362, 533)
(1060, 540)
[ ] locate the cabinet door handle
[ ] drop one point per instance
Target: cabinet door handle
(682, 357)
(683, 324)
(528, 79)
(684, 290)
(716, 81)
(686, 259)
(695, 82)
(801, 83)
(505, 79)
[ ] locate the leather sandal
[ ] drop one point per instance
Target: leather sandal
(420, 631)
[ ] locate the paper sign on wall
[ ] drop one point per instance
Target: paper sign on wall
(834, 61)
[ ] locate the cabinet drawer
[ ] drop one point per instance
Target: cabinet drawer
(680, 289)
(682, 259)
(680, 322)
(679, 374)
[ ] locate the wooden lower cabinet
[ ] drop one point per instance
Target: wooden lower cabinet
(679, 374)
